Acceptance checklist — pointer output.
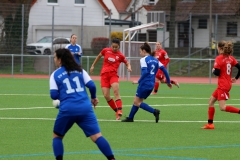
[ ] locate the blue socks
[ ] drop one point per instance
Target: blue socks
(133, 112)
(104, 147)
(57, 147)
(146, 107)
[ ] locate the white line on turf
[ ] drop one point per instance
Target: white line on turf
(109, 120)
(153, 97)
(153, 105)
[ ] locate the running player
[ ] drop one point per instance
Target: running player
(149, 68)
(223, 65)
(109, 77)
(162, 56)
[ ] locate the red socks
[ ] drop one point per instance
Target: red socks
(232, 109)
(112, 104)
(211, 112)
(119, 104)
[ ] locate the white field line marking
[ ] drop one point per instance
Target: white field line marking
(153, 97)
(153, 105)
(107, 120)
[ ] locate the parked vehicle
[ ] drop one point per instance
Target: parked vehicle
(44, 45)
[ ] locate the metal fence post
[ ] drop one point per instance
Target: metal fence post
(216, 28)
(110, 25)
(190, 41)
(210, 71)
(22, 39)
(12, 64)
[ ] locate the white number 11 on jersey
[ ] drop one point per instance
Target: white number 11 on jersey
(70, 89)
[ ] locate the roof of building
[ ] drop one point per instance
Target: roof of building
(107, 10)
(200, 7)
(147, 7)
(121, 5)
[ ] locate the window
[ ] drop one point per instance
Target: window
(202, 24)
(231, 28)
(52, 1)
(79, 1)
(151, 2)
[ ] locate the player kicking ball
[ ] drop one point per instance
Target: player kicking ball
(149, 68)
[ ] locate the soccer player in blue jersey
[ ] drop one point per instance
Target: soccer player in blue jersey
(75, 49)
(67, 84)
(149, 68)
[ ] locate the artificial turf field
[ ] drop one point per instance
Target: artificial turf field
(27, 118)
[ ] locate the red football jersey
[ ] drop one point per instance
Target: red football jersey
(162, 56)
(225, 64)
(112, 60)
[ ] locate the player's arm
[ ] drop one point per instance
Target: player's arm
(238, 74)
(92, 88)
(166, 74)
(216, 71)
(128, 65)
(95, 61)
(80, 51)
(54, 94)
(166, 58)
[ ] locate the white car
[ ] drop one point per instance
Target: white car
(44, 45)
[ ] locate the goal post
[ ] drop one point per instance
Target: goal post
(131, 48)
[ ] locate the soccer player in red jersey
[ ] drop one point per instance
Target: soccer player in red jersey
(109, 77)
(223, 65)
(162, 56)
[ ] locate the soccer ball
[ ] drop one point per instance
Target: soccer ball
(56, 103)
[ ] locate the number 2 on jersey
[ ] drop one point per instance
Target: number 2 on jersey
(152, 70)
(69, 87)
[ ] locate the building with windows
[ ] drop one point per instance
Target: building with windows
(81, 17)
(192, 25)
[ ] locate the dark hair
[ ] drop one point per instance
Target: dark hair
(116, 40)
(146, 47)
(72, 35)
(68, 60)
(226, 46)
(152, 53)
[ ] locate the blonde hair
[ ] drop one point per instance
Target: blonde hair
(226, 47)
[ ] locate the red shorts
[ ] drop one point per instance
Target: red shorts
(220, 94)
(160, 75)
(108, 78)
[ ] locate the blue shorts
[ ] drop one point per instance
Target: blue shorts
(143, 92)
(87, 122)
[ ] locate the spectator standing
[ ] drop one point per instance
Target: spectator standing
(75, 49)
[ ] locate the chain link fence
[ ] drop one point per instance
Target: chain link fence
(189, 36)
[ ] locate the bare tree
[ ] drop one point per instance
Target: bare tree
(11, 35)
